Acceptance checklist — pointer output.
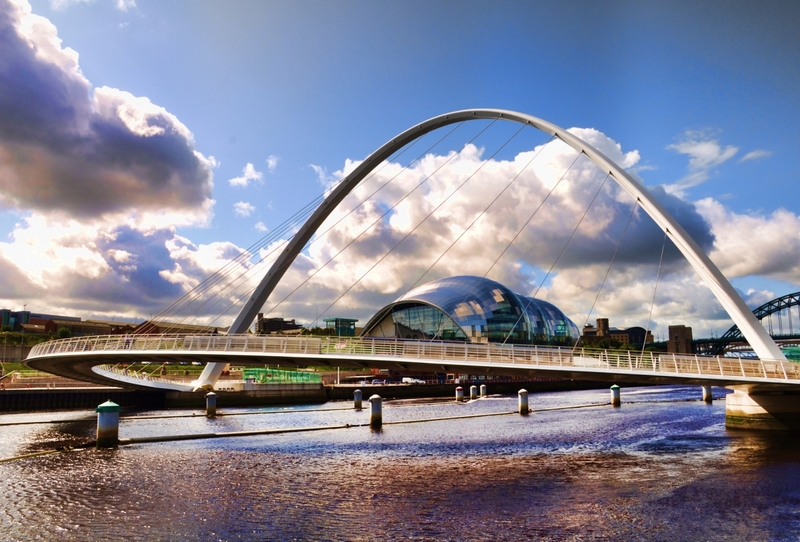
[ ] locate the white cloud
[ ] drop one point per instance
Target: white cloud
(272, 163)
(755, 155)
(125, 5)
(243, 208)
(249, 173)
(705, 153)
(260, 226)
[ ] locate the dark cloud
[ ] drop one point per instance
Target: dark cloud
(65, 147)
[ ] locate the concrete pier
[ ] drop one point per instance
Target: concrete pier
(357, 399)
(708, 396)
(473, 393)
(211, 405)
(767, 411)
(483, 391)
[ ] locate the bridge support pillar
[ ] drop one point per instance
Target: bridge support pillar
(708, 396)
(483, 390)
(357, 399)
(375, 411)
(771, 411)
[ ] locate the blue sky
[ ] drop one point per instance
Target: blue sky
(706, 92)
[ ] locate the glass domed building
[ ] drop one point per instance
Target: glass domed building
(472, 309)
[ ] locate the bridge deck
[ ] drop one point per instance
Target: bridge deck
(83, 357)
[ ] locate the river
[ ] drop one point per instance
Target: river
(661, 467)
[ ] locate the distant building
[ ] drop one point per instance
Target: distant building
(341, 327)
(276, 325)
(604, 335)
(472, 309)
(77, 328)
(680, 340)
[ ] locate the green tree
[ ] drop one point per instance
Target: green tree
(64, 333)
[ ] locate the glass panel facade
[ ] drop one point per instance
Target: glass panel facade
(476, 309)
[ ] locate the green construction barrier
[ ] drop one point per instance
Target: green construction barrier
(280, 376)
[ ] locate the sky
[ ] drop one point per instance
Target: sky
(145, 143)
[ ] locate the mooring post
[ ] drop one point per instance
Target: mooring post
(357, 399)
(708, 396)
(523, 402)
(375, 414)
(483, 390)
(211, 405)
(108, 424)
(615, 398)
(473, 393)
(459, 394)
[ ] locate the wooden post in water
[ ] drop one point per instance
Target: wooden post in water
(108, 424)
(357, 399)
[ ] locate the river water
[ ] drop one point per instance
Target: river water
(661, 467)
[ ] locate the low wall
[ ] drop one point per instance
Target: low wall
(21, 400)
(264, 395)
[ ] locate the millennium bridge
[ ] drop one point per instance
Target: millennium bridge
(766, 388)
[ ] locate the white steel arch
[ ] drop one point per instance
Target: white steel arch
(754, 332)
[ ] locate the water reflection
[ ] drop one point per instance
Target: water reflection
(649, 470)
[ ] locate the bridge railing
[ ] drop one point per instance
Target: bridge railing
(545, 356)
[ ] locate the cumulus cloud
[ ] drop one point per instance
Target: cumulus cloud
(272, 163)
(705, 153)
(249, 173)
(260, 226)
(60, 139)
(242, 208)
(99, 178)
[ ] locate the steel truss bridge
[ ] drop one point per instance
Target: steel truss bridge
(777, 331)
(101, 358)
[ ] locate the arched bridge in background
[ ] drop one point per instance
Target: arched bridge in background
(777, 306)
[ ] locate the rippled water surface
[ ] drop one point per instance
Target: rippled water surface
(661, 467)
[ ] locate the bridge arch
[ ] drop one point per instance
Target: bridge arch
(740, 313)
(770, 307)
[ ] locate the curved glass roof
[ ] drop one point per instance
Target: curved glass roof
(481, 309)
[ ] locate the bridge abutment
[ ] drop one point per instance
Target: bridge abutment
(775, 411)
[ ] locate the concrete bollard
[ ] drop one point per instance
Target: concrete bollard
(357, 399)
(708, 396)
(211, 405)
(523, 402)
(473, 393)
(459, 394)
(483, 390)
(375, 414)
(108, 424)
(615, 399)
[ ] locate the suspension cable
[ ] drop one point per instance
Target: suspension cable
(608, 270)
(655, 288)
